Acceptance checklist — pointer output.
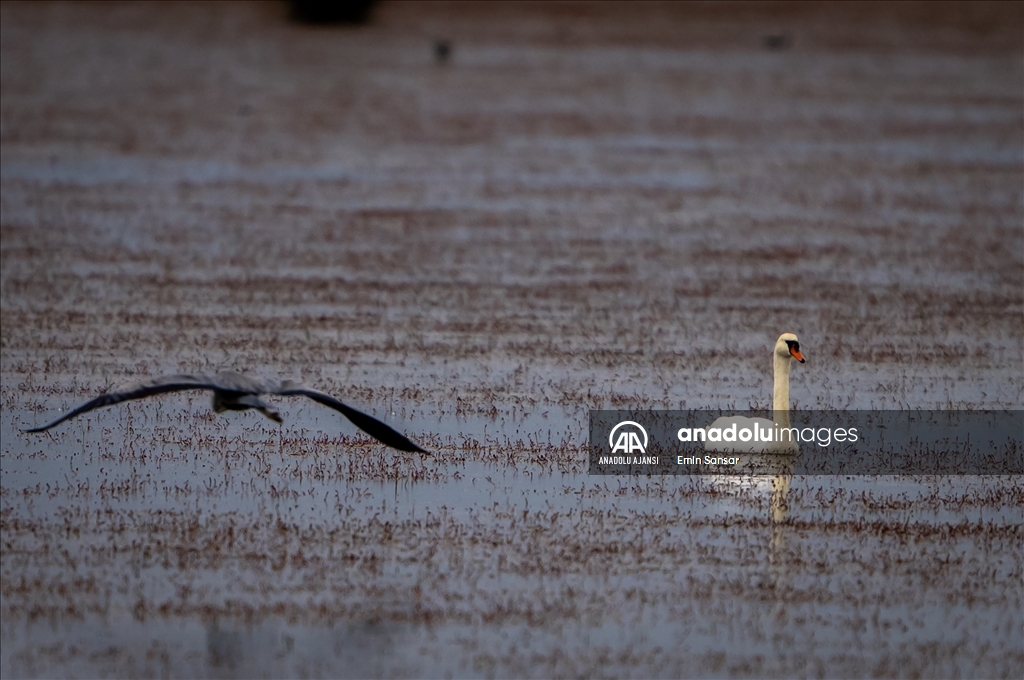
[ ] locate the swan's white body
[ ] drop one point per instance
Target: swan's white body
(787, 348)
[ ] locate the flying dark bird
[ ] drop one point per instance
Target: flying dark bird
(235, 392)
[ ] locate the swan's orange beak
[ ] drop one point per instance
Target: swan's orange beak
(796, 354)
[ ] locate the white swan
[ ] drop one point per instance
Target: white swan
(759, 429)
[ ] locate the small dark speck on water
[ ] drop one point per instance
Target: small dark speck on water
(778, 41)
(442, 50)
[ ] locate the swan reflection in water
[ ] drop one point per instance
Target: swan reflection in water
(223, 647)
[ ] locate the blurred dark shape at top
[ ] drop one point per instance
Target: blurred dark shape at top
(328, 12)
(442, 50)
(778, 41)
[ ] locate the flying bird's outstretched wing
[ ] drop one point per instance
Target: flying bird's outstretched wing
(368, 424)
(167, 383)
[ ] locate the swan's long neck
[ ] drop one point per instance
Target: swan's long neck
(780, 395)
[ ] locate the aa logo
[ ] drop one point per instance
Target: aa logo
(628, 440)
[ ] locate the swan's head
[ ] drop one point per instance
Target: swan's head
(788, 345)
